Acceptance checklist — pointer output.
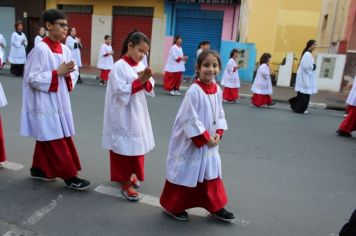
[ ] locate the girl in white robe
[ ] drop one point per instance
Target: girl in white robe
(193, 161)
(175, 67)
(306, 83)
(262, 85)
(17, 56)
(3, 102)
(46, 115)
(231, 79)
(127, 130)
(105, 60)
(74, 44)
(2, 50)
(40, 36)
(348, 125)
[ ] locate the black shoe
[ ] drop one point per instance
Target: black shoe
(224, 215)
(271, 104)
(77, 183)
(37, 173)
(183, 216)
(343, 133)
(79, 81)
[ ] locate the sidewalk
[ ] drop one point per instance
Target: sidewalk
(322, 100)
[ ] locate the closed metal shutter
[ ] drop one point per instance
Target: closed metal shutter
(7, 25)
(195, 26)
(126, 19)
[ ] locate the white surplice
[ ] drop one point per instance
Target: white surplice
(186, 164)
(306, 79)
(18, 48)
(38, 39)
(105, 60)
(262, 83)
(46, 115)
(76, 55)
(172, 65)
(127, 127)
(230, 78)
(351, 99)
(2, 50)
(3, 101)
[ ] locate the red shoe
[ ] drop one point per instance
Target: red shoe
(135, 182)
(130, 193)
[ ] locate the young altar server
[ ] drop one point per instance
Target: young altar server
(40, 36)
(231, 79)
(262, 85)
(2, 50)
(106, 60)
(193, 162)
(17, 56)
(174, 67)
(74, 44)
(348, 125)
(306, 83)
(127, 131)
(50, 76)
(3, 102)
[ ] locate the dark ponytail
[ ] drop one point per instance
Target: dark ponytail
(309, 44)
(135, 37)
(233, 51)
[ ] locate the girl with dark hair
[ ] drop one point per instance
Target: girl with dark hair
(74, 44)
(105, 60)
(262, 85)
(40, 36)
(231, 79)
(17, 56)
(127, 131)
(50, 76)
(193, 162)
(174, 67)
(306, 83)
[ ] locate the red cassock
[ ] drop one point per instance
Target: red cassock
(349, 123)
(122, 167)
(2, 144)
(104, 74)
(261, 99)
(231, 94)
(172, 80)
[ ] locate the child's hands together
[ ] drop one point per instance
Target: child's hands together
(145, 75)
(214, 140)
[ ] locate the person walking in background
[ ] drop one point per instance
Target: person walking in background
(231, 79)
(262, 85)
(74, 44)
(50, 75)
(174, 67)
(306, 83)
(2, 51)
(40, 36)
(17, 56)
(193, 175)
(348, 125)
(127, 130)
(106, 60)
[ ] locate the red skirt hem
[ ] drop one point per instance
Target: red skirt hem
(2, 144)
(104, 75)
(210, 195)
(172, 80)
(349, 123)
(122, 167)
(57, 158)
(231, 94)
(261, 99)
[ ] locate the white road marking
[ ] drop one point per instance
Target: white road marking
(38, 215)
(154, 201)
(12, 165)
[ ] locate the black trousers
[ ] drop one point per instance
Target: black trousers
(349, 228)
(17, 69)
(299, 104)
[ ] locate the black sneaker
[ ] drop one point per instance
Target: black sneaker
(77, 183)
(343, 133)
(37, 173)
(271, 104)
(183, 216)
(224, 215)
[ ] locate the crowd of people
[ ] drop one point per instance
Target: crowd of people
(193, 174)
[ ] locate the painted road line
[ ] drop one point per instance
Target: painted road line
(12, 165)
(154, 201)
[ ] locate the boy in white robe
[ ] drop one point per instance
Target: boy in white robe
(127, 130)
(348, 125)
(2, 50)
(46, 115)
(74, 44)
(231, 79)
(17, 56)
(193, 162)
(105, 60)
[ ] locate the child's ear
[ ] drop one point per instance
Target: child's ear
(130, 45)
